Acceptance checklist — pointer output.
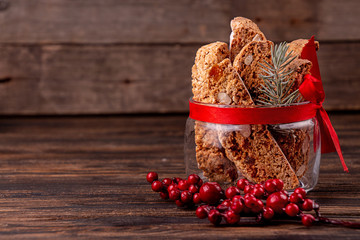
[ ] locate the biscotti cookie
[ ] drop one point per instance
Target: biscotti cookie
(243, 32)
(255, 152)
(247, 65)
(210, 159)
(206, 57)
(295, 144)
(297, 46)
(209, 155)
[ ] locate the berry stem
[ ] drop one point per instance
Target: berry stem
(339, 222)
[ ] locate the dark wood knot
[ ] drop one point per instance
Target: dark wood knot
(5, 79)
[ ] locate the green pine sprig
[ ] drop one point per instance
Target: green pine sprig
(277, 82)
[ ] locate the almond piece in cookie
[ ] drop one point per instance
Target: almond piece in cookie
(243, 31)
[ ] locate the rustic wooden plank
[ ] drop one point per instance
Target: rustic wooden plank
(183, 21)
(341, 79)
(283, 20)
(98, 79)
(57, 79)
(111, 21)
(75, 178)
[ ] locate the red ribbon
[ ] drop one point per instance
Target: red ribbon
(312, 90)
(225, 114)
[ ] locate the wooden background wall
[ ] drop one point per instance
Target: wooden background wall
(127, 56)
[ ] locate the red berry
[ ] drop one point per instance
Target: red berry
(242, 183)
(277, 201)
(258, 192)
(201, 212)
(231, 192)
(248, 195)
(200, 183)
(167, 181)
(164, 195)
(270, 186)
(236, 198)
(307, 220)
(226, 202)
(186, 196)
(258, 186)
(176, 180)
(214, 217)
(193, 188)
(296, 198)
(179, 203)
(174, 194)
(237, 207)
(210, 192)
(301, 191)
(157, 186)
(307, 205)
(183, 185)
(292, 209)
(151, 176)
(251, 202)
(193, 179)
(248, 189)
(279, 184)
(268, 213)
(197, 198)
(231, 217)
(258, 207)
(172, 186)
(285, 192)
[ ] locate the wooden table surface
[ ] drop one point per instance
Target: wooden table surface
(84, 178)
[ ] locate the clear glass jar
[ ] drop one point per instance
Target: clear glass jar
(225, 153)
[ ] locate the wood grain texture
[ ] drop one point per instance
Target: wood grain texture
(58, 79)
(84, 178)
(182, 21)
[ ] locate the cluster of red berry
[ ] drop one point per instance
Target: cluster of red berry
(264, 201)
(185, 192)
(261, 200)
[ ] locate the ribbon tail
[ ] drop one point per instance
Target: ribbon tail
(329, 139)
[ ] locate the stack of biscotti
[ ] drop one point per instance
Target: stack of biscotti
(232, 77)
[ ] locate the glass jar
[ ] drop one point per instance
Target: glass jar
(227, 152)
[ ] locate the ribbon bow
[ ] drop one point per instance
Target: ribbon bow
(312, 90)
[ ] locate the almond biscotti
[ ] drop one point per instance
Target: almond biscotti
(256, 153)
(243, 31)
(247, 65)
(210, 159)
(297, 45)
